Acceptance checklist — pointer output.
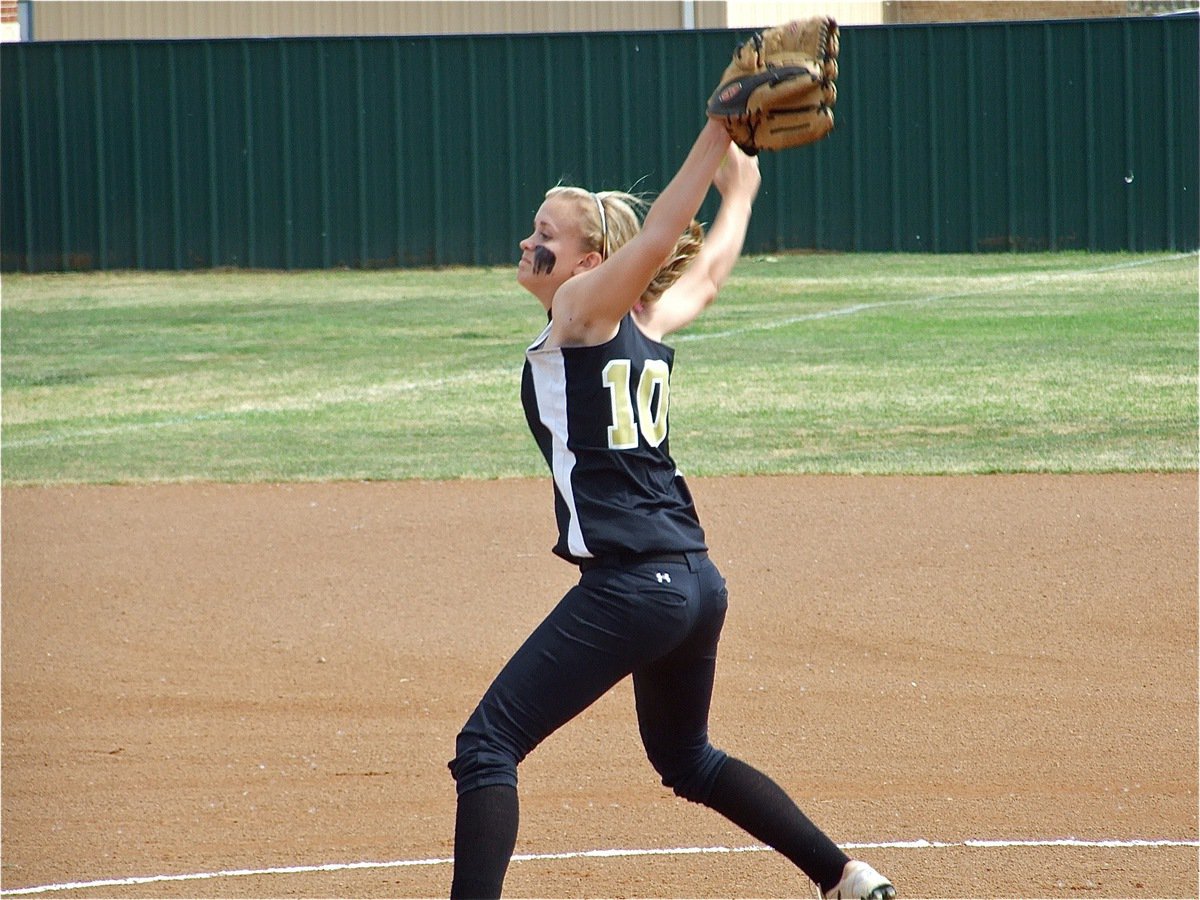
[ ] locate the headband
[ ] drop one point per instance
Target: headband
(603, 226)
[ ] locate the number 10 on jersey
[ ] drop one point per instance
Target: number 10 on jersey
(649, 418)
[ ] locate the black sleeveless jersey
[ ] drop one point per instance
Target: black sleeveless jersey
(599, 416)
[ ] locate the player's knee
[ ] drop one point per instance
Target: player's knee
(689, 773)
(482, 760)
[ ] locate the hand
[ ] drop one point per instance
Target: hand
(737, 175)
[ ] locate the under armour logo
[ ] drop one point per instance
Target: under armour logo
(663, 577)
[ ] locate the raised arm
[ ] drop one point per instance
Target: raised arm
(737, 180)
(588, 307)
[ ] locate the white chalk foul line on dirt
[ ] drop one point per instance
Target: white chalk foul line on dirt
(919, 844)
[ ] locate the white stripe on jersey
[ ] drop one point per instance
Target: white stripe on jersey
(550, 387)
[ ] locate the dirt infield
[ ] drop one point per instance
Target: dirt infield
(203, 678)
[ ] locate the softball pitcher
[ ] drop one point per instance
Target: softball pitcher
(649, 603)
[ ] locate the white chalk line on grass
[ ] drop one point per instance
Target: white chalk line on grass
(335, 397)
(1004, 283)
(919, 844)
(376, 392)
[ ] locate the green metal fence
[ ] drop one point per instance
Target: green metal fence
(382, 152)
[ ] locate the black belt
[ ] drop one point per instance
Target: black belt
(629, 560)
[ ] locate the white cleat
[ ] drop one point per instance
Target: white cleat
(861, 882)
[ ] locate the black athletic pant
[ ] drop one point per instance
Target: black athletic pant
(661, 622)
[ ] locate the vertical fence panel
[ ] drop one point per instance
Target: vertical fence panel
(865, 113)
(40, 151)
(151, 173)
(493, 164)
(1029, 174)
(78, 244)
(117, 102)
(419, 145)
(339, 115)
(1068, 156)
(228, 149)
(841, 169)
(417, 151)
(301, 149)
(12, 180)
(190, 165)
(266, 139)
(952, 135)
(99, 158)
(451, 161)
(1107, 112)
(529, 97)
(1148, 160)
(1050, 123)
(990, 103)
(1181, 106)
(914, 184)
(379, 171)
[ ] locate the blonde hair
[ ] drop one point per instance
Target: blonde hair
(610, 219)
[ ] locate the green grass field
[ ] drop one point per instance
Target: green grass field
(843, 363)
